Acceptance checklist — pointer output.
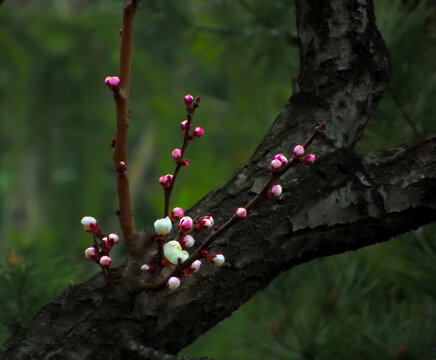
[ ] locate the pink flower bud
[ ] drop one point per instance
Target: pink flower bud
(90, 253)
(107, 244)
(198, 131)
(217, 259)
(206, 222)
(241, 212)
(146, 267)
(113, 142)
(281, 158)
(105, 261)
(185, 162)
(309, 159)
(298, 151)
(166, 180)
(185, 224)
(173, 283)
(189, 99)
(187, 241)
(184, 125)
(121, 167)
(113, 82)
(114, 238)
(90, 224)
(276, 164)
(177, 213)
(193, 268)
(176, 154)
(275, 191)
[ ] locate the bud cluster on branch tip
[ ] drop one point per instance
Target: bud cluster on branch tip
(177, 213)
(121, 167)
(308, 159)
(173, 283)
(216, 259)
(166, 181)
(113, 82)
(187, 241)
(163, 226)
(241, 212)
(176, 154)
(173, 252)
(185, 224)
(198, 131)
(278, 161)
(193, 268)
(206, 222)
(90, 224)
(298, 152)
(275, 191)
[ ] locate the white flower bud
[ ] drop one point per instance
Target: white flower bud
(163, 226)
(173, 283)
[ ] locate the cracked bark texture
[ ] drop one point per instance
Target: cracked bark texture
(344, 202)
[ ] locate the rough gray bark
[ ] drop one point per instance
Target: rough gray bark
(344, 202)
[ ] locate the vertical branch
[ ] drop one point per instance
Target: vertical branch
(120, 154)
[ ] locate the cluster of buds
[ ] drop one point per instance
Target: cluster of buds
(99, 252)
(166, 181)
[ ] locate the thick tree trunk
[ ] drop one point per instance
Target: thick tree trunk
(343, 202)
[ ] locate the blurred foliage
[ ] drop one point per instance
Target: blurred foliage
(56, 119)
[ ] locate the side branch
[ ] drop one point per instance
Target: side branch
(120, 155)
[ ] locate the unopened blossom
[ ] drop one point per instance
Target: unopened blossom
(298, 151)
(145, 267)
(90, 253)
(184, 125)
(114, 238)
(185, 224)
(188, 241)
(121, 167)
(206, 222)
(188, 99)
(217, 259)
(275, 191)
(173, 252)
(173, 283)
(105, 261)
(193, 268)
(163, 226)
(176, 154)
(241, 212)
(177, 213)
(90, 224)
(166, 181)
(113, 82)
(281, 158)
(309, 159)
(198, 131)
(276, 164)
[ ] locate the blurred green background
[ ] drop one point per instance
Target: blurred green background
(57, 118)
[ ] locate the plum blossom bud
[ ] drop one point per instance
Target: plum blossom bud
(184, 125)
(90, 253)
(146, 267)
(113, 142)
(193, 268)
(114, 238)
(188, 241)
(189, 99)
(298, 151)
(241, 212)
(173, 283)
(113, 82)
(198, 131)
(185, 224)
(90, 224)
(217, 259)
(121, 32)
(163, 226)
(173, 252)
(106, 243)
(176, 154)
(206, 222)
(121, 167)
(275, 191)
(105, 261)
(166, 181)
(185, 162)
(276, 164)
(309, 159)
(177, 213)
(281, 158)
